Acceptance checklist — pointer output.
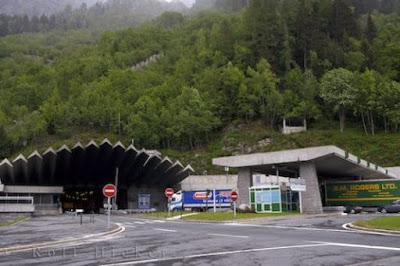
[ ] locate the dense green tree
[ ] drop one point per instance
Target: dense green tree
(389, 104)
(387, 44)
(262, 86)
(343, 22)
(264, 31)
(338, 90)
(222, 39)
(301, 90)
(370, 31)
(170, 19)
(144, 121)
(367, 100)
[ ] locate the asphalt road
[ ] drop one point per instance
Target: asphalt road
(294, 241)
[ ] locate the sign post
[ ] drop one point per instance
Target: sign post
(234, 197)
(116, 188)
(169, 192)
(215, 201)
(298, 184)
(109, 191)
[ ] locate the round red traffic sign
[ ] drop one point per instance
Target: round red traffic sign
(169, 192)
(109, 190)
(234, 196)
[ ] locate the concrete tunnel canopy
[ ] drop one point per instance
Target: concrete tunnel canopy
(93, 165)
(311, 164)
(330, 161)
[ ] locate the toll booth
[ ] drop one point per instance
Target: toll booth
(273, 198)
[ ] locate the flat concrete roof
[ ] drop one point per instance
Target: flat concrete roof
(34, 189)
(330, 161)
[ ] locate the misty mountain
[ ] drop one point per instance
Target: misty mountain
(188, 3)
(226, 5)
(49, 7)
(204, 4)
(39, 7)
(73, 14)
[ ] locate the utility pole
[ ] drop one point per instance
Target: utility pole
(119, 123)
(116, 185)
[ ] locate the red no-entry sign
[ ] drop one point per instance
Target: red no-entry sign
(169, 192)
(234, 196)
(109, 190)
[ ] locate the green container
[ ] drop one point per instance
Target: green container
(362, 193)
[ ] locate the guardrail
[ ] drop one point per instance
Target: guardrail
(138, 210)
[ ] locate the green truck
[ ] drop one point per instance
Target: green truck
(371, 193)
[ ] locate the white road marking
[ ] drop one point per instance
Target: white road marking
(310, 229)
(177, 217)
(146, 222)
(219, 254)
(130, 226)
(228, 235)
(288, 227)
(356, 245)
(165, 230)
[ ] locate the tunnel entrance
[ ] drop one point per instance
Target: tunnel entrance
(82, 171)
(87, 199)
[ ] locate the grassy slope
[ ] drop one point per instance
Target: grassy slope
(243, 138)
(381, 148)
(388, 223)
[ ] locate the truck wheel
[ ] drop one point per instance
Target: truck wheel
(383, 211)
(352, 211)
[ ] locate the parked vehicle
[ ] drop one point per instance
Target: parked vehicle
(198, 200)
(353, 209)
(393, 207)
(368, 194)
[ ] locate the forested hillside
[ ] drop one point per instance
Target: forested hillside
(319, 60)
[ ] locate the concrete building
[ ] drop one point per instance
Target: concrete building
(74, 177)
(314, 165)
(203, 182)
(286, 130)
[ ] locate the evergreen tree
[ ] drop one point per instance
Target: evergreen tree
(371, 31)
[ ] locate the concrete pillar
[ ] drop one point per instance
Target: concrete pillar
(244, 182)
(311, 199)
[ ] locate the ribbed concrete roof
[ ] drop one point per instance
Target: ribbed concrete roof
(93, 165)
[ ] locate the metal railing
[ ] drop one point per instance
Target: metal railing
(16, 200)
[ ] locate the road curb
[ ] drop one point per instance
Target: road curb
(351, 225)
(58, 242)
